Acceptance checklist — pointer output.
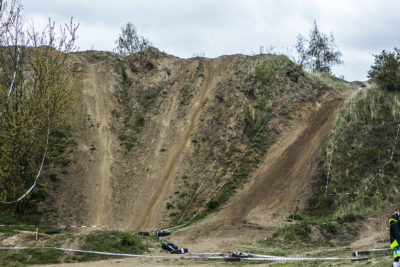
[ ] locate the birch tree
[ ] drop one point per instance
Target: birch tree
(37, 93)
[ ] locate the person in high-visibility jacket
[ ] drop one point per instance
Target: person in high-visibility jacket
(394, 222)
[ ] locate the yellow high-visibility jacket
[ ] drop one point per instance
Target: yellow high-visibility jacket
(394, 230)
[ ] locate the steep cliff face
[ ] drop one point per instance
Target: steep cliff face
(164, 138)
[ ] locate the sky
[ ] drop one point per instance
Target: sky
(184, 28)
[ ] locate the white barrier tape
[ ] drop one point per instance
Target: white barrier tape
(14, 76)
(233, 171)
(395, 142)
(349, 193)
(114, 253)
(175, 227)
(244, 154)
(85, 226)
(302, 259)
(215, 160)
(334, 145)
(92, 252)
(380, 171)
(264, 258)
(262, 255)
(282, 258)
(384, 165)
(62, 227)
(205, 257)
(206, 253)
(17, 225)
(37, 176)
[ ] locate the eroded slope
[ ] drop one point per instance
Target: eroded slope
(165, 138)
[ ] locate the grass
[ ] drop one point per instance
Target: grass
(305, 231)
(107, 241)
(110, 241)
(360, 143)
(366, 141)
(326, 80)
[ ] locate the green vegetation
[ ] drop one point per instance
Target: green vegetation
(327, 80)
(279, 85)
(369, 135)
(107, 241)
(38, 97)
(130, 129)
(306, 231)
(130, 42)
(360, 144)
(110, 241)
(269, 71)
(360, 156)
(386, 70)
(317, 53)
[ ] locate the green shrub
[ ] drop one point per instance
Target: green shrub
(213, 204)
(329, 227)
(139, 121)
(386, 70)
(348, 218)
(53, 177)
(115, 113)
(296, 216)
(267, 72)
(111, 241)
(123, 137)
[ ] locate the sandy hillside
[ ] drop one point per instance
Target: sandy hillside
(157, 127)
(281, 184)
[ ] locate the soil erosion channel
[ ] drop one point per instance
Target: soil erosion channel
(129, 193)
(192, 118)
(282, 183)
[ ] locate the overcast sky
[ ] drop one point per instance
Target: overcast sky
(220, 27)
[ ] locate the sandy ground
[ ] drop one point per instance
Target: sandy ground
(280, 185)
(139, 190)
(176, 153)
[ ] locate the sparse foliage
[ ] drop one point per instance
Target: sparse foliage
(36, 96)
(129, 41)
(317, 53)
(386, 70)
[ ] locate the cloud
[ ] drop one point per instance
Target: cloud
(183, 27)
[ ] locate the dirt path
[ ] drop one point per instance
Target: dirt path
(281, 184)
(286, 175)
(99, 173)
(168, 172)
